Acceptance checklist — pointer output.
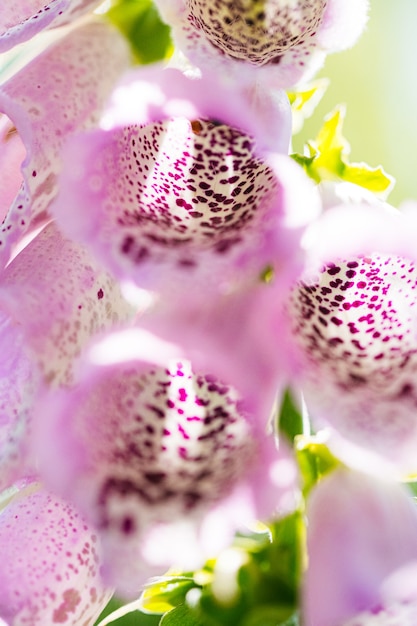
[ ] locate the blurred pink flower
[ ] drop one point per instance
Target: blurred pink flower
(51, 566)
(59, 92)
(160, 458)
(353, 321)
(180, 186)
(342, 330)
(22, 19)
(53, 300)
(362, 553)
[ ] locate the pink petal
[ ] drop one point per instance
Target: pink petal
(168, 446)
(354, 325)
(162, 229)
(243, 337)
(163, 202)
(59, 298)
(271, 490)
(278, 42)
(59, 92)
(54, 299)
(23, 19)
(153, 94)
(51, 567)
(343, 23)
(19, 385)
(360, 532)
(12, 153)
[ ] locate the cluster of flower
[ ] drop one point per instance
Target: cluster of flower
(167, 272)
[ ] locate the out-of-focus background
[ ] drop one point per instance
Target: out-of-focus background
(377, 80)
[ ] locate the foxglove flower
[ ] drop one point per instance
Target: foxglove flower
(362, 553)
(53, 300)
(354, 323)
(59, 92)
(243, 336)
(171, 447)
(60, 298)
(177, 187)
(277, 40)
(51, 567)
(344, 333)
(21, 20)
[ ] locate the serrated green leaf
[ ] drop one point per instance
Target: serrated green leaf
(165, 594)
(148, 35)
(180, 616)
(375, 179)
(304, 102)
(306, 163)
(331, 146)
(327, 158)
(330, 137)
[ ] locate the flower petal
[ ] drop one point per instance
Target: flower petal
(343, 23)
(169, 444)
(354, 325)
(241, 337)
(12, 153)
(59, 298)
(20, 382)
(162, 202)
(60, 91)
(168, 213)
(52, 574)
(276, 40)
(54, 299)
(152, 94)
(361, 531)
(21, 20)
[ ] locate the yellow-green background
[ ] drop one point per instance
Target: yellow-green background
(377, 80)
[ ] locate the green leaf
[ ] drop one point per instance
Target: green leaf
(133, 618)
(294, 620)
(304, 102)
(267, 616)
(306, 162)
(263, 584)
(180, 616)
(314, 460)
(374, 179)
(326, 158)
(253, 541)
(331, 146)
(286, 556)
(290, 420)
(140, 23)
(166, 593)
